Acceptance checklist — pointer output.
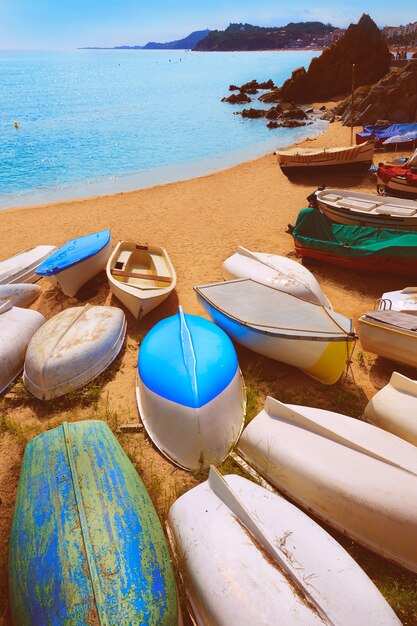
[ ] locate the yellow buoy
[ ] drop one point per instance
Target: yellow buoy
(16, 125)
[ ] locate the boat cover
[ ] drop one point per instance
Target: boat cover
(187, 359)
(386, 131)
(268, 310)
(314, 230)
(387, 172)
(73, 252)
(394, 318)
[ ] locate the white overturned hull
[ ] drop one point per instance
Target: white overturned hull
(140, 276)
(276, 271)
(358, 478)
(17, 327)
(366, 209)
(404, 301)
(21, 267)
(72, 349)
(247, 557)
(19, 294)
(390, 334)
(190, 391)
(394, 408)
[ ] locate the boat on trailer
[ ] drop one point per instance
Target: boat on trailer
(86, 544)
(352, 475)
(21, 267)
(278, 325)
(301, 160)
(248, 556)
(77, 261)
(367, 209)
(190, 391)
(276, 271)
(140, 276)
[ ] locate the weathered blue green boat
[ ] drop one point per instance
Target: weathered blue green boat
(86, 546)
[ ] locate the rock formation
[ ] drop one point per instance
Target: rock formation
(393, 98)
(330, 74)
(237, 98)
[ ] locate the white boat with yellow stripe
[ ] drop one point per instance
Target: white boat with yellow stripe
(281, 326)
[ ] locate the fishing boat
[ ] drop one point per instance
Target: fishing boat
(394, 408)
(140, 276)
(72, 348)
(20, 294)
(21, 267)
(360, 248)
(397, 180)
(367, 209)
(352, 475)
(77, 261)
(282, 327)
(390, 334)
(17, 327)
(276, 271)
(248, 556)
(404, 300)
(190, 391)
(347, 158)
(86, 544)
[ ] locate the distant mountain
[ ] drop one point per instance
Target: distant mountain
(248, 37)
(188, 43)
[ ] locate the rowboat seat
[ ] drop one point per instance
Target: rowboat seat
(390, 209)
(360, 205)
(141, 276)
(331, 197)
(405, 321)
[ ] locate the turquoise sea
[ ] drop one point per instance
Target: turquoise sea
(102, 121)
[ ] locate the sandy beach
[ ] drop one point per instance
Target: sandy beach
(200, 222)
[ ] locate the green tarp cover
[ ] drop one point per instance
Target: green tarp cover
(315, 230)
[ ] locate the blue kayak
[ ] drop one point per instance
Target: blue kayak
(73, 252)
(86, 544)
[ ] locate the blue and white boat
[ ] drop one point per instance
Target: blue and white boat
(77, 261)
(190, 391)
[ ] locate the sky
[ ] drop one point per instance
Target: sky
(68, 24)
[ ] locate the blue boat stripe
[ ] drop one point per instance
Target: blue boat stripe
(100, 599)
(189, 355)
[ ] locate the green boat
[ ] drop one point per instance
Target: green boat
(86, 546)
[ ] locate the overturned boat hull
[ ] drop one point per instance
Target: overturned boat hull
(21, 267)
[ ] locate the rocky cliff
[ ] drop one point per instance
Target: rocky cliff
(330, 74)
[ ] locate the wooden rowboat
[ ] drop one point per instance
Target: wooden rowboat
(294, 160)
(86, 544)
(394, 408)
(390, 334)
(282, 327)
(367, 209)
(276, 271)
(247, 556)
(190, 391)
(140, 276)
(354, 476)
(77, 261)
(72, 349)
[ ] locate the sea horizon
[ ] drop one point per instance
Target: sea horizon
(97, 122)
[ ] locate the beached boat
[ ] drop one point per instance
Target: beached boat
(397, 180)
(190, 391)
(77, 261)
(249, 557)
(390, 334)
(282, 327)
(86, 544)
(276, 271)
(21, 267)
(360, 248)
(404, 300)
(394, 408)
(294, 160)
(140, 276)
(72, 348)
(17, 327)
(352, 475)
(367, 209)
(20, 294)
